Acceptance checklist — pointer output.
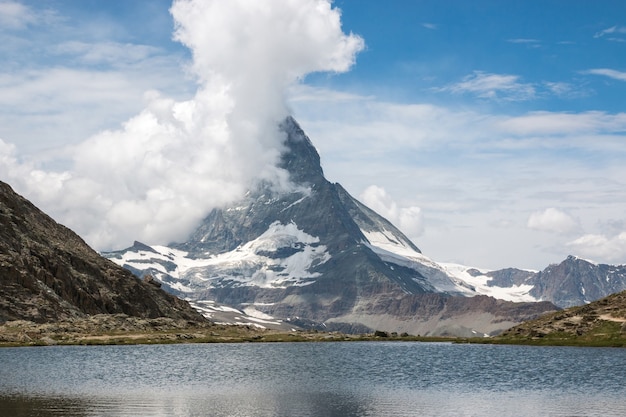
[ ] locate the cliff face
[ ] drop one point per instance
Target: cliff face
(48, 273)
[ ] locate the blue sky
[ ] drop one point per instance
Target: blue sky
(493, 133)
(415, 49)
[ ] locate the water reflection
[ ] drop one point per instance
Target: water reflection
(26, 406)
(308, 379)
(222, 405)
(434, 404)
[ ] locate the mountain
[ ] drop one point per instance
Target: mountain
(317, 257)
(573, 282)
(48, 273)
(599, 323)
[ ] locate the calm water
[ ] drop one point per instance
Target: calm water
(312, 379)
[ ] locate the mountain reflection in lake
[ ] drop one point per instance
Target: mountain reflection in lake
(312, 379)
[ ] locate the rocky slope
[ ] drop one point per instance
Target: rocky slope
(48, 273)
(602, 322)
(316, 256)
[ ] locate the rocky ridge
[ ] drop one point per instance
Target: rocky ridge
(48, 273)
(573, 282)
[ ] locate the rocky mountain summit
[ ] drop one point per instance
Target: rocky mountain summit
(48, 273)
(317, 257)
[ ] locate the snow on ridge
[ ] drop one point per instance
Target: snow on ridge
(394, 250)
(592, 262)
(515, 293)
(249, 264)
(445, 277)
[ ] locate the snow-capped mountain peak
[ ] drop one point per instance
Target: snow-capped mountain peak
(317, 255)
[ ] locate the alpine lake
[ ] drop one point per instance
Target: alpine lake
(313, 379)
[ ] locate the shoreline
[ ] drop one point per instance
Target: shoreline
(102, 330)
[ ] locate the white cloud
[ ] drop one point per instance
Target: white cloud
(529, 43)
(408, 219)
(47, 108)
(430, 26)
(524, 41)
(562, 89)
(493, 86)
(112, 53)
(552, 220)
(15, 15)
(560, 123)
(597, 246)
(156, 177)
(509, 87)
(609, 31)
(611, 73)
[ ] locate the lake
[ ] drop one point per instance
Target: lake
(312, 379)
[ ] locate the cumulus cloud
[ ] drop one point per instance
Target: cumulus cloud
(158, 175)
(552, 220)
(408, 219)
(597, 246)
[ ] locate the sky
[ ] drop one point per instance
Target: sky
(492, 133)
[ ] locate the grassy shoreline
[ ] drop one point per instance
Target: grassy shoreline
(24, 334)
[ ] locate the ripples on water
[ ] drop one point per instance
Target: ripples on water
(312, 379)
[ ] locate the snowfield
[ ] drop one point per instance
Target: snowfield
(258, 262)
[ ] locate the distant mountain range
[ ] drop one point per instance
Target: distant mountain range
(573, 282)
(48, 273)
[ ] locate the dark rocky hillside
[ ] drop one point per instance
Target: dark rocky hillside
(48, 273)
